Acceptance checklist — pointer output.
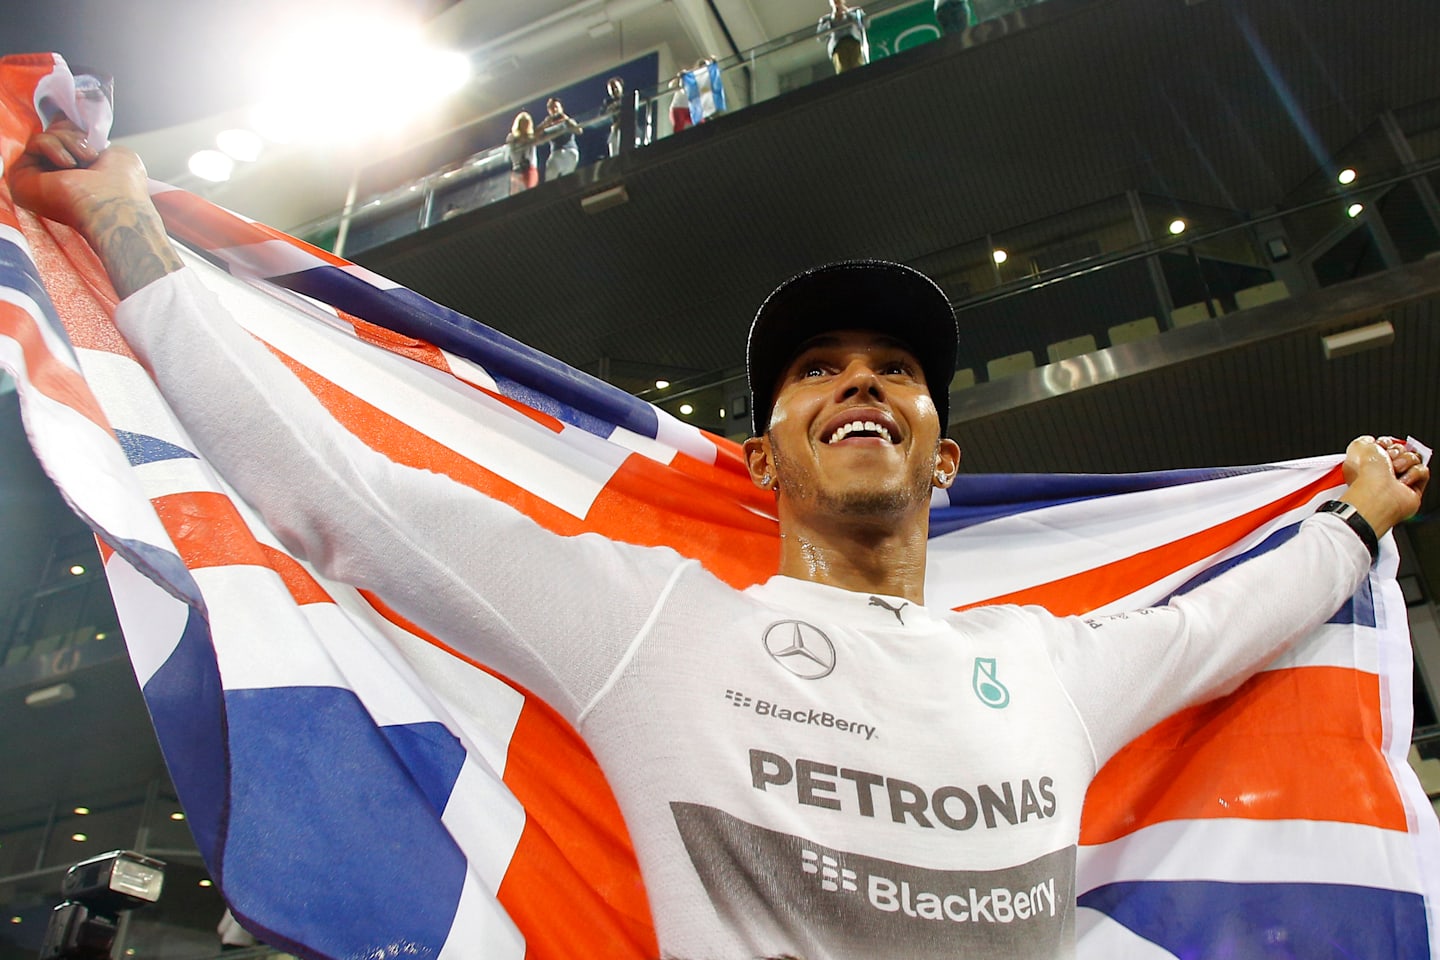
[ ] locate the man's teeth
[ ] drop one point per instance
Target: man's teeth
(860, 426)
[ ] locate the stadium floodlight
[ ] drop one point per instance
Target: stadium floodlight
(377, 73)
(211, 165)
(244, 145)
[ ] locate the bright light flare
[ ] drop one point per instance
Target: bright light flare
(275, 123)
(211, 165)
(1354, 210)
(1347, 175)
(1000, 256)
(243, 145)
(1177, 226)
(349, 76)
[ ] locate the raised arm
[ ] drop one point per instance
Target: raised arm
(555, 613)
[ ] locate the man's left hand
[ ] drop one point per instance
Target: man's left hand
(1387, 480)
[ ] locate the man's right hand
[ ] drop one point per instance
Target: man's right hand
(103, 195)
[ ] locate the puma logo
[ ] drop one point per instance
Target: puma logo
(877, 602)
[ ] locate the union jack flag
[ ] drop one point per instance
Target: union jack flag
(346, 808)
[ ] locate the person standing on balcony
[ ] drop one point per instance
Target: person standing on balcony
(953, 16)
(843, 32)
(614, 106)
(564, 149)
(679, 105)
(524, 172)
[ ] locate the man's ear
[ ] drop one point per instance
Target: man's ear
(758, 462)
(947, 462)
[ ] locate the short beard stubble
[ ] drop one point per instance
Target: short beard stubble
(863, 504)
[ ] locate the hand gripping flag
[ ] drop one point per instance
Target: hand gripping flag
(346, 808)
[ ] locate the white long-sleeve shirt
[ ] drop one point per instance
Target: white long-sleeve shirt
(802, 769)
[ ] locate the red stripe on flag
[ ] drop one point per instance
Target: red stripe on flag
(574, 840)
(46, 374)
(417, 350)
(17, 106)
(404, 444)
(651, 504)
(208, 531)
(78, 285)
(303, 587)
(1085, 591)
(1295, 744)
(204, 225)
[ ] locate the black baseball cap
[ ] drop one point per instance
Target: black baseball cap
(889, 298)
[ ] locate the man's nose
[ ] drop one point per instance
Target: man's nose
(859, 379)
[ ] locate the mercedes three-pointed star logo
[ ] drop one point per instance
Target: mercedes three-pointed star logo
(801, 648)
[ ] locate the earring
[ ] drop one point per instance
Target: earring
(765, 481)
(941, 478)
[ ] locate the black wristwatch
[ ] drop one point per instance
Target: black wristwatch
(1361, 526)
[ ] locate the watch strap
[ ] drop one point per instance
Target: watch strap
(1353, 520)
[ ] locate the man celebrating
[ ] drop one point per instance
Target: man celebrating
(817, 766)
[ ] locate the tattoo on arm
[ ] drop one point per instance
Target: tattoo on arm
(131, 242)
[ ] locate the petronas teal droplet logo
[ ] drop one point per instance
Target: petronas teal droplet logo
(987, 685)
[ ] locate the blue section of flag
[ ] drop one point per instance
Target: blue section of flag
(692, 95)
(432, 754)
(186, 703)
(17, 272)
(979, 498)
(717, 87)
(321, 809)
(141, 448)
(1268, 921)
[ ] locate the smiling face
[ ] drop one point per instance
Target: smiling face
(854, 431)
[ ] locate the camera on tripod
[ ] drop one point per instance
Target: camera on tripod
(96, 892)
